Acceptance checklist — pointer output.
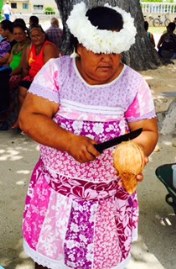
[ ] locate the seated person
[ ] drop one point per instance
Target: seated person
(22, 41)
(149, 35)
(36, 55)
(15, 72)
(6, 44)
(167, 43)
(54, 33)
(15, 63)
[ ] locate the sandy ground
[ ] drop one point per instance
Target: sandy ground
(156, 246)
(162, 79)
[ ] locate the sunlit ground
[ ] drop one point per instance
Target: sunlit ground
(157, 30)
(157, 219)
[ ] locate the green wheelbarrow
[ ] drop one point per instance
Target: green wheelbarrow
(166, 173)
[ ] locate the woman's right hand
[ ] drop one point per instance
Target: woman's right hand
(82, 149)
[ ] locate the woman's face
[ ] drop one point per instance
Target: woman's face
(37, 37)
(98, 68)
(19, 34)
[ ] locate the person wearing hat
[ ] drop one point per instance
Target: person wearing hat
(77, 213)
(7, 11)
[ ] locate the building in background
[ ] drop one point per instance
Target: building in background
(32, 6)
(39, 6)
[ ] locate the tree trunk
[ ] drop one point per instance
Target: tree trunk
(141, 56)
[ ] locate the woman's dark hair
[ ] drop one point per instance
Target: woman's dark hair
(7, 25)
(39, 27)
(19, 21)
(103, 18)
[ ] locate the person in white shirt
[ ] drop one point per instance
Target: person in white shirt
(7, 10)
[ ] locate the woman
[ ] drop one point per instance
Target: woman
(36, 55)
(77, 213)
(15, 60)
(15, 63)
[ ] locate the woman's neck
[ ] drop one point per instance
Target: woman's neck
(21, 43)
(38, 48)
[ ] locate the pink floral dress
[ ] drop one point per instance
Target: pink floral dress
(78, 215)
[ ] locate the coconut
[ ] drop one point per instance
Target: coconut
(129, 162)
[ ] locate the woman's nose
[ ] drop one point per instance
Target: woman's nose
(106, 57)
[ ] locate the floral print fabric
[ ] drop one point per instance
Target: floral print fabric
(62, 223)
(78, 215)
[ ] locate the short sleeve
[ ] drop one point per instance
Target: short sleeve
(46, 82)
(5, 48)
(142, 106)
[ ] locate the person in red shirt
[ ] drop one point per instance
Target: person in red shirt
(37, 54)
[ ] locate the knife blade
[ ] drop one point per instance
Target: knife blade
(117, 140)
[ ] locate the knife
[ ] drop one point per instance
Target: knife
(115, 141)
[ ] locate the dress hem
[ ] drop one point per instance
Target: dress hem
(52, 264)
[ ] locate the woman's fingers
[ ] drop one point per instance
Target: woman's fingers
(82, 149)
(140, 177)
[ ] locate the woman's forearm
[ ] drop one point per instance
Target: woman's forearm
(149, 136)
(147, 141)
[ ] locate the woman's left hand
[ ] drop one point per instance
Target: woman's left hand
(140, 177)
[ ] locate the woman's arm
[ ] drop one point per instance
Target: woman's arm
(50, 51)
(152, 39)
(35, 120)
(149, 136)
(4, 59)
(161, 40)
(24, 61)
(10, 57)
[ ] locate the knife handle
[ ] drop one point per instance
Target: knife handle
(99, 147)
